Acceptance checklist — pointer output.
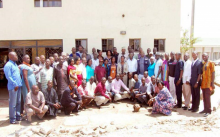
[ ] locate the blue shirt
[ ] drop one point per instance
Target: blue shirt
(77, 54)
(151, 69)
(12, 73)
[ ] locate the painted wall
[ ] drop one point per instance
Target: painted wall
(93, 20)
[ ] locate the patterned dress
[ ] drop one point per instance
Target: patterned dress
(163, 102)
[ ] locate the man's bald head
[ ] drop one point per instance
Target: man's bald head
(37, 60)
(35, 89)
(26, 58)
(13, 56)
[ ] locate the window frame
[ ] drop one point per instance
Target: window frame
(158, 45)
(49, 3)
(107, 44)
(81, 44)
(134, 43)
(1, 3)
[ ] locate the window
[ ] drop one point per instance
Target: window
(82, 42)
(1, 4)
(52, 3)
(36, 3)
(107, 44)
(159, 44)
(135, 44)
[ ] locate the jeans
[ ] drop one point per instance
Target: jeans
(14, 105)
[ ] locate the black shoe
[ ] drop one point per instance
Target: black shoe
(185, 108)
(190, 109)
(201, 112)
(177, 106)
(195, 110)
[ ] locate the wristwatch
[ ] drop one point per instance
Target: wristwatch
(197, 82)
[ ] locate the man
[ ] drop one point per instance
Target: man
(129, 49)
(143, 63)
(52, 64)
(131, 81)
(132, 64)
(135, 56)
(35, 104)
(71, 99)
(51, 99)
(108, 86)
(123, 53)
(65, 63)
(86, 98)
(115, 54)
(37, 68)
(139, 54)
(74, 52)
(164, 71)
(88, 56)
(101, 97)
(116, 88)
(171, 72)
(95, 61)
(186, 81)
(91, 86)
(93, 52)
(158, 66)
(195, 82)
(142, 95)
(148, 53)
(56, 59)
(154, 51)
(60, 80)
(178, 79)
(83, 64)
(12, 74)
(99, 71)
(208, 77)
(46, 74)
(147, 78)
(134, 90)
(152, 87)
(42, 61)
(80, 52)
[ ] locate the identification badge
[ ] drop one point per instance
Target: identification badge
(113, 71)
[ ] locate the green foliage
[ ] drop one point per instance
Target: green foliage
(187, 42)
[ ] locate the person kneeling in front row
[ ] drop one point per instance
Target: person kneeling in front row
(35, 104)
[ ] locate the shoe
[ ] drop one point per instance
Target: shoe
(195, 110)
(185, 108)
(15, 122)
(190, 109)
(207, 114)
(201, 112)
(176, 106)
(59, 111)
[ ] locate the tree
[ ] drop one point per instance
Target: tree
(187, 42)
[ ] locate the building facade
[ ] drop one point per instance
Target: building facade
(31, 26)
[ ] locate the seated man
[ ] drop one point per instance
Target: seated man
(116, 88)
(152, 87)
(35, 104)
(86, 98)
(101, 97)
(68, 101)
(91, 85)
(142, 95)
(51, 99)
(131, 81)
(136, 87)
(147, 78)
(108, 86)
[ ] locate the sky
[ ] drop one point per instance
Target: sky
(207, 17)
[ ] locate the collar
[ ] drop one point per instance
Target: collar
(26, 64)
(12, 62)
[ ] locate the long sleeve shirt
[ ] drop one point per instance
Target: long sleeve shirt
(187, 71)
(12, 73)
(132, 65)
(101, 90)
(116, 86)
(67, 97)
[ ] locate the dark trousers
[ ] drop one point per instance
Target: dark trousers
(179, 94)
(206, 99)
(195, 97)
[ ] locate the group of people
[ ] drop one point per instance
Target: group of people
(70, 82)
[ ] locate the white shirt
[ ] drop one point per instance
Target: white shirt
(95, 63)
(83, 70)
(187, 71)
(195, 61)
(91, 88)
(132, 65)
(125, 55)
(108, 86)
(159, 63)
(65, 63)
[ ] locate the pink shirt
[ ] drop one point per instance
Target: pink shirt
(116, 86)
(147, 80)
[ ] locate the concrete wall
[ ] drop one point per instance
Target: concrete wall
(93, 20)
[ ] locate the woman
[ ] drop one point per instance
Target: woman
(71, 70)
(28, 77)
(163, 102)
(113, 68)
(151, 67)
(100, 54)
(106, 65)
(89, 70)
(122, 69)
(108, 56)
(79, 70)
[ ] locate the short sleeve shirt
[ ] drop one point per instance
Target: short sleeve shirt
(178, 68)
(143, 88)
(172, 65)
(35, 100)
(100, 72)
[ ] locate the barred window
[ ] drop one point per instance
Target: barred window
(159, 44)
(135, 44)
(107, 44)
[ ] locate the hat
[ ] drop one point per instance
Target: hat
(151, 53)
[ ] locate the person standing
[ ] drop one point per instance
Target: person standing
(113, 68)
(158, 66)
(79, 71)
(80, 52)
(51, 61)
(178, 79)
(122, 69)
(83, 66)
(154, 51)
(12, 74)
(143, 64)
(151, 67)
(123, 53)
(46, 74)
(56, 59)
(148, 53)
(42, 61)
(165, 72)
(115, 54)
(171, 72)
(60, 78)
(108, 56)
(89, 70)
(195, 82)
(95, 61)
(132, 64)
(36, 68)
(100, 72)
(186, 81)
(93, 52)
(208, 77)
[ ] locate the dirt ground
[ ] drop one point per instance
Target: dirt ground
(116, 119)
